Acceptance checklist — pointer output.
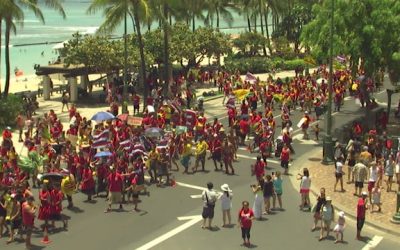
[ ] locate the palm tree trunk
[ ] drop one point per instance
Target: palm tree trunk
(142, 68)
(267, 31)
(166, 51)
(248, 22)
(255, 23)
(194, 23)
(262, 28)
(7, 57)
(1, 32)
(217, 11)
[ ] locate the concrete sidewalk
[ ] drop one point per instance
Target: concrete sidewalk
(323, 176)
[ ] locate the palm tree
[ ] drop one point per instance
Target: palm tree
(115, 12)
(13, 11)
(220, 8)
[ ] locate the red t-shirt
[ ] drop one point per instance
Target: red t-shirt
(245, 217)
(115, 182)
(361, 209)
(285, 154)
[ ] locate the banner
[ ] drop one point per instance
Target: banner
(134, 121)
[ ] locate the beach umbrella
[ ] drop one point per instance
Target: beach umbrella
(52, 176)
(103, 154)
(102, 116)
(153, 132)
(123, 117)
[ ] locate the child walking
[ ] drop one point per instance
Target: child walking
(376, 198)
(339, 228)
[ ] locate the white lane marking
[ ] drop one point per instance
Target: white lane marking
(196, 196)
(191, 220)
(190, 186)
(373, 243)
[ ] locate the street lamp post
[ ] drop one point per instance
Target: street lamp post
(125, 90)
(328, 141)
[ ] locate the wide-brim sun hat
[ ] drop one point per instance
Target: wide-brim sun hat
(225, 187)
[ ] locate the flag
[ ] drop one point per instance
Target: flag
(100, 143)
(190, 117)
(250, 78)
(241, 94)
(103, 134)
(231, 102)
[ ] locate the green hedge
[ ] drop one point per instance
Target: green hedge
(9, 109)
(262, 64)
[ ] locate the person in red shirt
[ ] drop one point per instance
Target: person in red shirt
(87, 184)
(244, 130)
(259, 168)
(285, 157)
(244, 108)
(115, 185)
(245, 218)
(56, 198)
(28, 217)
(361, 209)
(44, 209)
(216, 151)
(136, 103)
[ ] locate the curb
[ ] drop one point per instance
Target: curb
(338, 207)
(214, 97)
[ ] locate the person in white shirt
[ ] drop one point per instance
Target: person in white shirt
(339, 174)
(209, 198)
(226, 204)
(305, 185)
(373, 177)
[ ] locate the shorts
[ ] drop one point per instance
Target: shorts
(285, 164)
(267, 197)
(216, 156)
(371, 185)
(55, 217)
(360, 223)
(317, 215)
(15, 224)
(304, 191)
(338, 175)
(114, 197)
(208, 212)
(359, 184)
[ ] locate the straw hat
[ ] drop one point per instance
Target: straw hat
(225, 187)
(328, 198)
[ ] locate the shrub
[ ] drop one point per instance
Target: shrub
(262, 64)
(9, 109)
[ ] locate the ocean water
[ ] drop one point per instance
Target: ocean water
(56, 29)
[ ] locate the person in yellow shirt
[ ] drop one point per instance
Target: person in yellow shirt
(201, 150)
(167, 113)
(186, 154)
(153, 158)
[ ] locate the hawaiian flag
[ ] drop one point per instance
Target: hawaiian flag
(103, 134)
(100, 143)
(126, 145)
(190, 117)
(138, 149)
(250, 78)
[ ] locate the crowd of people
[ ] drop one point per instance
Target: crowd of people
(112, 156)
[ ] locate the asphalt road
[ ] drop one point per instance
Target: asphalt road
(157, 223)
